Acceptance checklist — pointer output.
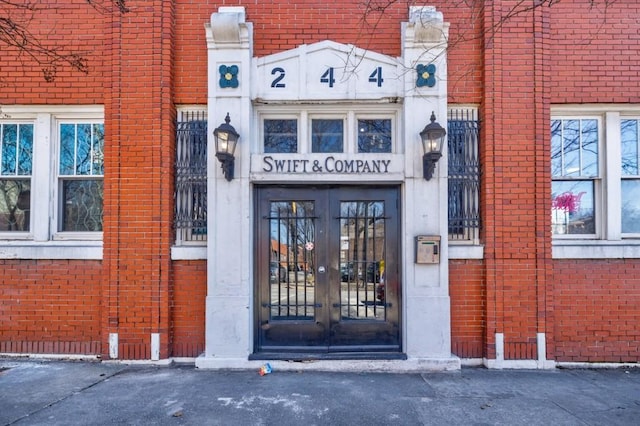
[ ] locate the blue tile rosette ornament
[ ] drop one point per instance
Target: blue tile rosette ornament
(228, 76)
(426, 75)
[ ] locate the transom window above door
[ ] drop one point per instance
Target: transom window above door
(307, 132)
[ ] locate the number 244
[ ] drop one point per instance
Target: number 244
(326, 78)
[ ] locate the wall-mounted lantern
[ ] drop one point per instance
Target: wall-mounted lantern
(226, 139)
(432, 137)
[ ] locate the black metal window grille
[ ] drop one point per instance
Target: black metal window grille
(464, 174)
(191, 178)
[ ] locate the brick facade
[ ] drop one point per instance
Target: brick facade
(146, 62)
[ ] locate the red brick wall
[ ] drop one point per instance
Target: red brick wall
(598, 60)
(188, 308)
(597, 310)
(49, 306)
(282, 25)
(596, 306)
(515, 177)
(58, 24)
(143, 63)
(468, 321)
(139, 160)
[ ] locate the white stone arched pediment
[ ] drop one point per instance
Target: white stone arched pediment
(327, 70)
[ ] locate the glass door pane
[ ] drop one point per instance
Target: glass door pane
(292, 230)
(362, 260)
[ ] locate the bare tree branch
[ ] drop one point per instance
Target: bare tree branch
(15, 18)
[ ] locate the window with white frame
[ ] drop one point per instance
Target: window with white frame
(191, 177)
(80, 176)
(575, 174)
(51, 174)
(630, 170)
(322, 132)
(16, 168)
(595, 168)
(463, 201)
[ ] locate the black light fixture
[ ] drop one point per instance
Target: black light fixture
(226, 140)
(432, 139)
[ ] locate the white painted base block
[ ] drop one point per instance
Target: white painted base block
(368, 366)
(113, 345)
(155, 346)
(526, 364)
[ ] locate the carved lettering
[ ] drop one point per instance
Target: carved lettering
(330, 165)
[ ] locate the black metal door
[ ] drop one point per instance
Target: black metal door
(327, 270)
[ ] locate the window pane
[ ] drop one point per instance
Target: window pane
(16, 155)
(98, 149)
(9, 149)
(83, 150)
(327, 135)
(374, 135)
(25, 151)
(629, 139)
(280, 136)
(82, 205)
(572, 207)
(292, 231)
(571, 147)
(631, 206)
(556, 148)
(191, 177)
(464, 174)
(67, 148)
(15, 205)
(589, 148)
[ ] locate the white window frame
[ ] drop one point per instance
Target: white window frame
(471, 248)
(350, 114)
(373, 116)
(608, 241)
(21, 235)
(635, 117)
(188, 250)
(284, 116)
(44, 241)
(597, 180)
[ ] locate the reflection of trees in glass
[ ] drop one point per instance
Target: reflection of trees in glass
(631, 206)
(15, 204)
(374, 135)
(574, 148)
(363, 225)
(292, 226)
(629, 148)
(327, 135)
(82, 205)
(281, 136)
(574, 153)
(16, 159)
(630, 159)
(82, 154)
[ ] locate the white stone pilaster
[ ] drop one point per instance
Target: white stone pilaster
(229, 255)
(427, 307)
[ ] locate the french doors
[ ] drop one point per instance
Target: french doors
(327, 270)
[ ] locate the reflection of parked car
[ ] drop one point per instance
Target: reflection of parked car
(277, 272)
(347, 271)
(373, 272)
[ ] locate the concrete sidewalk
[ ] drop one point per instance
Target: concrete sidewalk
(91, 393)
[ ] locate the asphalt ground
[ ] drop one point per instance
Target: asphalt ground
(38, 392)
